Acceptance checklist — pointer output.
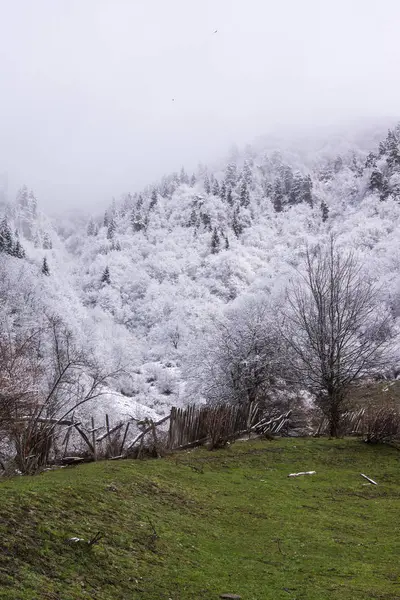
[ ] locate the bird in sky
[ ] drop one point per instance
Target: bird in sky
(216, 31)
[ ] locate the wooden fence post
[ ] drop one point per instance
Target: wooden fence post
(94, 440)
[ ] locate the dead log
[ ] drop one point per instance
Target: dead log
(368, 479)
(302, 473)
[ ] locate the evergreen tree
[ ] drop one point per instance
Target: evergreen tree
(215, 242)
(296, 193)
(278, 196)
(286, 176)
(205, 217)
(306, 195)
(370, 160)
(183, 177)
(338, 164)
(139, 202)
(393, 153)
(216, 188)
(23, 197)
(226, 243)
(47, 243)
(193, 219)
(385, 192)
(105, 278)
(153, 200)
(90, 228)
(45, 267)
(106, 219)
(244, 194)
(6, 238)
(111, 229)
(32, 205)
(229, 197)
(207, 186)
(236, 223)
(324, 211)
(231, 175)
(376, 181)
(137, 221)
(193, 180)
(18, 252)
(247, 174)
(222, 191)
(382, 148)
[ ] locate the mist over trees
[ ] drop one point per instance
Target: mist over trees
(185, 284)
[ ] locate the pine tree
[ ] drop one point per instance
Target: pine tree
(385, 192)
(137, 221)
(247, 174)
(139, 202)
(376, 181)
(47, 243)
(296, 193)
(278, 196)
(338, 164)
(45, 267)
(306, 195)
(111, 229)
(236, 223)
(286, 176)
(226, 243)
(105, 278)
(183, 178)
(324, 211)
(207, 186)
(193, 180)
(229, 197)
(193, 219)
(90, 228)
(18, 252)
(216, 188)
(392, 145)
(215, 242)
(370, 160)
(153, 200)
(244, 194)
(205, 217)
(6, 238)
(382, 148)
(23, 197)
(231, 175)
(222, 191)
(106, 219)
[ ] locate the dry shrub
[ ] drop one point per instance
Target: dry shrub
(382, 424)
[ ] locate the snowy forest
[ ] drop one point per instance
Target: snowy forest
(131, 310)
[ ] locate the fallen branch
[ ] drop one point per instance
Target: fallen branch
(109, 432)
(302, 473)
(143, 433)
(368, 479)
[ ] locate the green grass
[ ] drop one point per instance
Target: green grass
(226, 521)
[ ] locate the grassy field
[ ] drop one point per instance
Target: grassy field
(200, 523)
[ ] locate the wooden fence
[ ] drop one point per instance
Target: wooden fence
(213, 426)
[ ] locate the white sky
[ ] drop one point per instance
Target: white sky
(86, 86)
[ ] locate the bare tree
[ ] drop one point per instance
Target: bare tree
(44, 378)
(239, 361)
(336, 328)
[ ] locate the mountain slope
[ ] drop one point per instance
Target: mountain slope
(141, 282)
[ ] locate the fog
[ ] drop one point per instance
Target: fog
(100, 97)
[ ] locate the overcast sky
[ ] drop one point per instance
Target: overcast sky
(100, 97)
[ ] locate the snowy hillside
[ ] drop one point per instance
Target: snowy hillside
(139, 284)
